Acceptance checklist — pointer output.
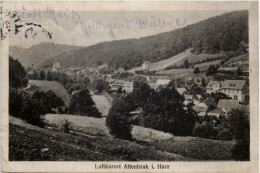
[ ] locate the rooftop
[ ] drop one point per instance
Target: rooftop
(231, 104)
(212, 82)
(233, 84)
(181, 90)
(163, 81)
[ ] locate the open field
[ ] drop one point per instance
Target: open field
(176, 72)
(241, 61)
(178, 60)
(97, 127)
(205, 65)
(28, 142)
(192, 58)
(190, 147)
(160, 65)
(102, 103)
(56, 87)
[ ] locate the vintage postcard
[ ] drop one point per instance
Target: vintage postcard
(129, 86)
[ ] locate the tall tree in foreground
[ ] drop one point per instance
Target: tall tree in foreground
(17, 74)
(81, 103)
(118, 118)
(239, 126)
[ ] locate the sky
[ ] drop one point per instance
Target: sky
(84, 28)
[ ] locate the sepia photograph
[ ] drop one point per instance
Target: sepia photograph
(125, 87)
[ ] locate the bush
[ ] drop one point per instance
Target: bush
(225, 134)
(66, 127)
(196, 70)
(205, 130)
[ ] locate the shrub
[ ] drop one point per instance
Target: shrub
(196, 70)
(205, 130)
(225, 134)
(66, 127)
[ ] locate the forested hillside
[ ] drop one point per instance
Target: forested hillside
(39, 53)
(227, 32)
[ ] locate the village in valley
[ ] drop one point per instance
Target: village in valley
(181, 95)
(236, 92)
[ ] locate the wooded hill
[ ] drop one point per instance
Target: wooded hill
(39, 53)
(223, 33)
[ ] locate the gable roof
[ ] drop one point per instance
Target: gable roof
(163, 81)
(212, 82)
(244, 108)
(230, 104)
(216, 111)
(233, 84)
(210, 102)
(188, 97)
(181, 90)
(198, 109)
(202, 105)
(56, 64)
(153, 85)
(196, 102)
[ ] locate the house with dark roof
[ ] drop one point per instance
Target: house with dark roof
(228, 105)
(236, 89)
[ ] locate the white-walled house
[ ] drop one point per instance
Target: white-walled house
(236, 89)
(146, 65)
(213, 87)
(56, 67)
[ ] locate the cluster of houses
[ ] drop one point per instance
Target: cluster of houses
(236, 90)
(116, 84)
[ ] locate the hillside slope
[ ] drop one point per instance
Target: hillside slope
(214, 35)
(39, 53)
(27, 143)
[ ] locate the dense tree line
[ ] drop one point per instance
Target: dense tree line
(17, 74)
(29, 107)
(81, 102)
(227, 32)
(233, 127)
(32, 108)
(162, 110)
